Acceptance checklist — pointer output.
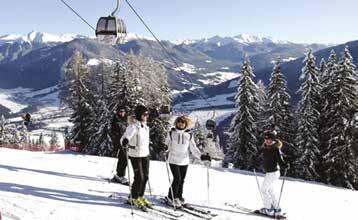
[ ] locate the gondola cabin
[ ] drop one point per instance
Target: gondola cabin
(111, 30)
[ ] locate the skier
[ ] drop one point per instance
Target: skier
(212, 143)
(119, 125)
(180, 142)
(136, 141)
(272, 162)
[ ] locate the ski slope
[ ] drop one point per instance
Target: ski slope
(39, 185)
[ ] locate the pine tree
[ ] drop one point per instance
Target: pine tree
(100, 139)
(279, 114)
(341, 165)
(308, 124)
(81, 102)
(4, 136)
(243, 140)
(54, 141)
(122, 91)
(41, 140)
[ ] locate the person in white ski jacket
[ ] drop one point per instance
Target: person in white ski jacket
(180, 143)
(136, 140)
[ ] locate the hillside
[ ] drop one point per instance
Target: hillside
(70, 186)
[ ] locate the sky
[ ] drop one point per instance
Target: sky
(303, 21)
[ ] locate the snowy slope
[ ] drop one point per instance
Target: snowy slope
(69, 186)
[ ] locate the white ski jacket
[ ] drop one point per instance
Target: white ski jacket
(179, 143)
(138, 137)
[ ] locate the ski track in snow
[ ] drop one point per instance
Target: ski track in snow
(38, 185)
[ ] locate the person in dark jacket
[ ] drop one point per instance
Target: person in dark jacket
(119, 125)
(272, 163)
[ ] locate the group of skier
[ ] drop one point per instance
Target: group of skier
(131, 140)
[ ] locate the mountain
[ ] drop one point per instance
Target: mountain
(37, 60)
(291, 69)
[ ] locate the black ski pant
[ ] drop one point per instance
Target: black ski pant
(141, 172)
(122, 163)
(179, 173)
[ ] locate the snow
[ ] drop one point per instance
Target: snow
(133, 36)
(217, 100)
(187, 68)
(289, 59)
(39, 185)
(218, 77)
(39, 37)
(234, 83)
(95, 62)
(6, 99)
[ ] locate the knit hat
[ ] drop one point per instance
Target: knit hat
(139, 111)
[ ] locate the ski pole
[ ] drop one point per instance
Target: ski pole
(114, 165)
(170, 182)
(129, 185)
(258, 185)
(283, 183)
(208, 182)
(150, 189)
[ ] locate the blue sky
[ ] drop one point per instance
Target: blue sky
(322, 21)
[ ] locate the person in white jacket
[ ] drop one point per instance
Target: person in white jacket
(136, 141)
(180, 142)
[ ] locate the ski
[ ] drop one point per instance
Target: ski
(237, 206)
(200, 210)
(188, 211)
(257, 212)
(166, 211)
(196, 214)
(160, 213)
(151, 211)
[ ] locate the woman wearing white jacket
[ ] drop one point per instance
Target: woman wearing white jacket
(136, 140)
(180, 142)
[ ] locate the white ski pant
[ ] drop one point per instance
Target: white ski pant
(268, 190)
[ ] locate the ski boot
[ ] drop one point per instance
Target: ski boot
(146, 202)
(120, 179)
(137, 203)
(173, 203)
(266, 211)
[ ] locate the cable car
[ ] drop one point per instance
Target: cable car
(111, 29)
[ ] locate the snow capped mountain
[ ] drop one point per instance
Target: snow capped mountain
(222, 41)
(39, 38)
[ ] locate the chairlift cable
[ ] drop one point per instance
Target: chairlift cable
(78, 15)
(166, 51)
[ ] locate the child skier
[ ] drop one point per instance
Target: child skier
(136, 140)
(272, 162)
(180, 142)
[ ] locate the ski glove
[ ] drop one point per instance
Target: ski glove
(205, 157)
(125, 142)
(285, 166)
